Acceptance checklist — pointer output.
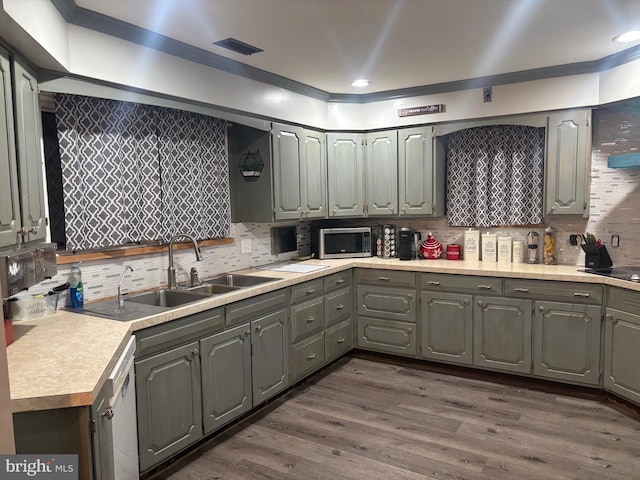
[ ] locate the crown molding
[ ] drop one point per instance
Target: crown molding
(85, 18)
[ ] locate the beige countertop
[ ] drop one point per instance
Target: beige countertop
(62, 360)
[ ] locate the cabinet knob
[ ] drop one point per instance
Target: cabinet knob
(541, 308)
(258, 328)
(391, 208)
(409, 330)
(310, 319)
(466, 301)
(195, 353)
(409, 296)
(108, 413)
(608, 316)
(480, 302)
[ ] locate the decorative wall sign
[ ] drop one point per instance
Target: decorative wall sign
(410, 112)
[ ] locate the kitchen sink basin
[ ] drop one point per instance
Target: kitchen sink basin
(213, 289)
(238, 280)
(167, 298)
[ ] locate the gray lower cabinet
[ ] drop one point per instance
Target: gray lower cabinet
(622, 344)
(567, 342)
(386, 311)
(226, 376)
(502, 333)
(270, 355)
(447, 327)
(168, 388)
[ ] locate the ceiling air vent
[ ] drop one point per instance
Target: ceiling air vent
(238, 46)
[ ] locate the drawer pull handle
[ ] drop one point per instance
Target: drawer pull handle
(521, 289)
(484, 287)
(383, 279)
(312, 356)
(338, 282)
(580, 294)
(340, 340)
(433, 282)
(310, 291)
(339, 307)
(310, 319)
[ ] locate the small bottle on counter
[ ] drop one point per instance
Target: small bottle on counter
(76, 292)
(532, 247)
(549, 256)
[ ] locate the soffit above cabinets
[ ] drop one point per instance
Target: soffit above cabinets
(405, 48)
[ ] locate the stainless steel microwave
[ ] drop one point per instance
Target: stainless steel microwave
(348, 242)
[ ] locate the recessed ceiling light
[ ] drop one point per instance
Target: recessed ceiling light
(631, 36)
(361, 82)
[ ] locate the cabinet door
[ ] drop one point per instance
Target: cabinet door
(381, 172)
(345, 167)
(313, 171)
(567, 342)
(226, 376)
(502, 334)
(169, 403)
(568, 152)
(29, 153)
(387, 302)
(9, 197)
(622, 354)
(270, 355)
(287, 187)
(415, 171)
(447, 327)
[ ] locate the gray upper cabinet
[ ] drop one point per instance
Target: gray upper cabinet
(29, 153)
(421, 173)
(345, 171)
(9, 197)
(568, 158)
(299, 173)
(381, 173)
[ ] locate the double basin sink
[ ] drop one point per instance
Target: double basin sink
(156, 301)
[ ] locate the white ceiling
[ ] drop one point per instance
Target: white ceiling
(395, 43)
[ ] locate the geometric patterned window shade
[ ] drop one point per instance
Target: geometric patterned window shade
(135, 172)
(495, 176)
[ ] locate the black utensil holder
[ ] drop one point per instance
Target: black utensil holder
(596, 257)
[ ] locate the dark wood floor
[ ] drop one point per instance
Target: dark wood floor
(367, 420)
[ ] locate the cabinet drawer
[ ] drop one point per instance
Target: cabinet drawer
(622, 299)
(307, 356)
(387, 336)
(161, 337)
(461, 283)
(337, 280)
(307, 318)
(338, 305)
(247, 310)
(549, 290)
(338, 339)
(386, 277)
(387, 303)
(306, 290)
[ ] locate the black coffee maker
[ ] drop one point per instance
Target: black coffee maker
(405, 242)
